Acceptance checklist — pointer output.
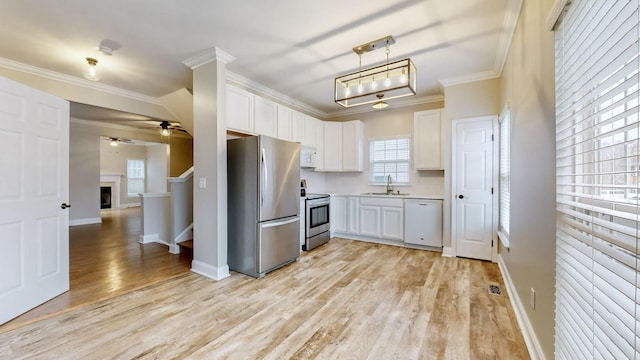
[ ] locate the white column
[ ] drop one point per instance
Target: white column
(210, 164)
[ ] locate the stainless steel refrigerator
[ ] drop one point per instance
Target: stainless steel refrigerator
(263, 176)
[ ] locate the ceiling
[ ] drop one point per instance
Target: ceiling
(293, 47)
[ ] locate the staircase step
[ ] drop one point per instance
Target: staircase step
(186, 244)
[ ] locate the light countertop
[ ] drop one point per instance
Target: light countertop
(407, 196)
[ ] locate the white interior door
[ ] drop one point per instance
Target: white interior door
(34, 228)
(472, 201)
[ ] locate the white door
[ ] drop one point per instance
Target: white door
(472, 201)
(34, 228)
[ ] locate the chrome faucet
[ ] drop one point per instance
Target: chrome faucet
(389, 187)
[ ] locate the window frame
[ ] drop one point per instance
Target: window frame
(130, 178)
(504, 175)
(372, 162)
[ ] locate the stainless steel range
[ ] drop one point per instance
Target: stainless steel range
(317, 221)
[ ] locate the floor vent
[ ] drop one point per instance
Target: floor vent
(495, 290)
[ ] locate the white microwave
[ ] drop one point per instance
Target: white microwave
(307, 157)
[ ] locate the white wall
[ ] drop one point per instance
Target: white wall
(84, 175)
(157, 168)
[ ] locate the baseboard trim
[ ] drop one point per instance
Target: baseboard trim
(145, 239)
(185, 234)
(448, 252)
(530, 339)
(87, 221)
(129, 205)
(212, 272)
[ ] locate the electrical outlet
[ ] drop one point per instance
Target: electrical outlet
(203, 183)
(533, 298)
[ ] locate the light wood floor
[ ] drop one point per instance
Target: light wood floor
(106, 260)
(344, 300)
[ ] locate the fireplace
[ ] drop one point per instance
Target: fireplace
(105, 197)
(112, 182)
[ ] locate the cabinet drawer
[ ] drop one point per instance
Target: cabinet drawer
(380, 201)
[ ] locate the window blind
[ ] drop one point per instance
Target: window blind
(505, 171)
(389, 157)
(597, 282)
(135, 177)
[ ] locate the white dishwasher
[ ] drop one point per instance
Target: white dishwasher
(423, 222)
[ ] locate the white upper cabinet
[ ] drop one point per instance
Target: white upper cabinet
(332, 146)
(310, 126)
(320, 146)
(239, 110)
(265, 116)
(285, 123)
(428, 140)
(352, 145)
(297, 127)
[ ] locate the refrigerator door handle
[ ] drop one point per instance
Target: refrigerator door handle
(266, 177)
(280, 223)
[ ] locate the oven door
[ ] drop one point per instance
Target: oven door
(317, 218)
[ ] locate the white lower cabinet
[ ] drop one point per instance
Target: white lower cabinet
(391, 221)
(338, 214)
(385, 218)
(369, 220)
(352, 220)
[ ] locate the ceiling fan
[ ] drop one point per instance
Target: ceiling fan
(114, 141)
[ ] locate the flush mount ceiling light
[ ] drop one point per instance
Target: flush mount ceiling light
(391, 80)
(164, 128)
(380, 104)
(91, 72)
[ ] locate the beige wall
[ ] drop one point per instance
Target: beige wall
(84, 162)
(479, 98)
(113, 160)
(73, 90)
(528, 84)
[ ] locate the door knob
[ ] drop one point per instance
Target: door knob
(460, 196)
(64, 206)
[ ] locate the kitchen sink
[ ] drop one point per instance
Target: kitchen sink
(384, 193)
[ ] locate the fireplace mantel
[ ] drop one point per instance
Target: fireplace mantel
(113, 180)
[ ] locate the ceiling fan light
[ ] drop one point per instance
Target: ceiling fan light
(164, 128)
(113, 142)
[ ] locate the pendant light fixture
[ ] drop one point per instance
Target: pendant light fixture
(91, 71)
(392, 80)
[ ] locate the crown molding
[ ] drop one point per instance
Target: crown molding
(262, 90)
(207, 56)
(76, 81)
(464, 79)
(509, 24)
(394, 104)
